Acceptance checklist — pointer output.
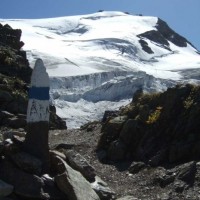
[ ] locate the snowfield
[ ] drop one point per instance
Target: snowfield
(96, 62)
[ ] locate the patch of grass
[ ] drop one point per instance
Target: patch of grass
(154, 117)
(188, 103)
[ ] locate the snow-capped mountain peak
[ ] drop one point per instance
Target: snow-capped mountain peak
(97, 61)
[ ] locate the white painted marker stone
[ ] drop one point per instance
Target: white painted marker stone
(38, 104)
(36, 141)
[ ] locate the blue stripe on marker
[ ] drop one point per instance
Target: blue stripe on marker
(40, 93)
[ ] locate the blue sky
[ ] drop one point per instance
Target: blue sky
(181, 15)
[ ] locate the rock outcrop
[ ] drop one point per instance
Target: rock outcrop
(161, 36)
(74, 185)
(159, 135)
(21, 175)
(13, 61)
(15, 74)
(156, 128)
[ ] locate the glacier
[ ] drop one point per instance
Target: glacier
(97, 61)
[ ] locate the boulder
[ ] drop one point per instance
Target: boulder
(160, 157)
(10, 148)
(51, 190)
(5, 114)
(164, 177)
(79, 163)
(74, 185)
(53, 153)
(108, 114)
(5, 189)
(10, 134)
(5, 96)
(47, 179)
(56, 165)
(111, 131)
(16, 122)
(179, 186)
(26, 185)
(29, 186)
(187, 172)
(130, 133)
(27, 162)
(136, 167)
(102, 189)
(117, 150)
(55, 121)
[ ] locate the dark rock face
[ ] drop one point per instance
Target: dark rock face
(109, 114)
(13, 61)
(162, 36)
(159, 128)
(111, 131)
(145, 46)
(55, 122)
(170, 35)
(11, 37)
(15, 76)
(156, 37)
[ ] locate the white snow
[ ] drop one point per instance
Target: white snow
(83, 48)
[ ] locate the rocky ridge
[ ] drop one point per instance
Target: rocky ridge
(159, 134)
(156, 128)
(15, 74)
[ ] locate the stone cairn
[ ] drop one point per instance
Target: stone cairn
(29, 170)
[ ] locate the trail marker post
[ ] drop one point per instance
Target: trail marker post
(36, 141)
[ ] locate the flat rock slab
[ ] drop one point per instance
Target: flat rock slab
(102, 189)
(74, 185)
(79, 163)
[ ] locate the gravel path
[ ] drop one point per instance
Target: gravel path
(116, 175)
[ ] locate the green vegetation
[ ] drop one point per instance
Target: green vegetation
(154, 117)
(15, 86)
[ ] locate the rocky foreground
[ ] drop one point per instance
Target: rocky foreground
(147, 150)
